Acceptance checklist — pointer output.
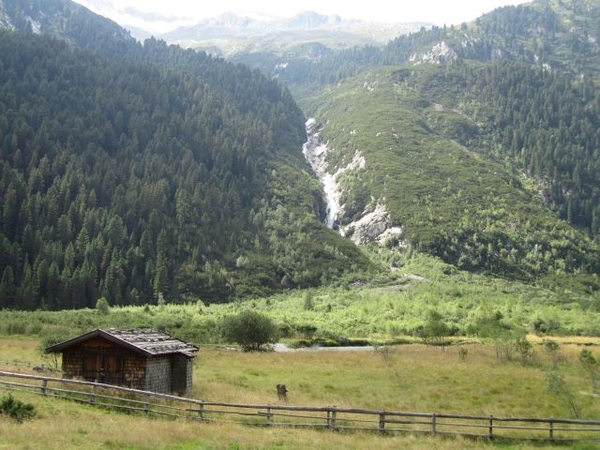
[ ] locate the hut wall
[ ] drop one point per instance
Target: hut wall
(72, 363)
(181, 374)
(134, 371)
(158, 374)
(105, 362)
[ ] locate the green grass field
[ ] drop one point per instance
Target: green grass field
(473, 376)
(410, 377)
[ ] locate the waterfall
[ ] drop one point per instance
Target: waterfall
(315, 153)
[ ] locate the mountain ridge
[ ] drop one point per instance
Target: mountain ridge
(63, 19)
(230, 33)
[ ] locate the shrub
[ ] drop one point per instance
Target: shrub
(102, 306)
(553, 348)
(435, 331)
(250, 329)
(16, 409)
(558, 387)
(525, 349)
(51, 358)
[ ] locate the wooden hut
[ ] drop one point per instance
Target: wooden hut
(141, 359)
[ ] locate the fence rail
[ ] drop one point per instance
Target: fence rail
(16, 363)
(324, 417)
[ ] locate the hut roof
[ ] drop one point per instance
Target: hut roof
(149, 342)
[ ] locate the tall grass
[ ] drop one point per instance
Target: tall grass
(406, 378)
(62, 425)
(411, 377)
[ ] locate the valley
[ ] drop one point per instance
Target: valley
(435, 196)
(428, 194)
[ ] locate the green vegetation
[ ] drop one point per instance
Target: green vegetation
(474, 156)
(156, 176)
(163, 173)
(591, 365)
(16, 409)
(411, 377)
(148, 186)
(398, 307)
(450, 199)
(250, 329)
(545, 33)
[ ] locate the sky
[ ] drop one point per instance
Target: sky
(438, 12)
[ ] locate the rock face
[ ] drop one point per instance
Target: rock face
(372, 226)
(439, 54)
(374, 223)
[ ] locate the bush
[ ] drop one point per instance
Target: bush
(250, 329)
(435, 331)
(102, 306)
(16, 408)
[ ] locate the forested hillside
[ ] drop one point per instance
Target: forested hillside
(486, 136)
(560, 35)
(66, 20)
(163, 175)
(423, 142)
(541, 112)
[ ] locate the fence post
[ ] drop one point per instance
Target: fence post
(201, 410)
(269, 417)
(382, 421)
(331, 416)
(551, 429)
(44, 385)
(433, 423)
(491, 428)
(94, 393)
(147, 404)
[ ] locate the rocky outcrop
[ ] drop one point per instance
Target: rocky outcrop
(440, 53)
(373, 226)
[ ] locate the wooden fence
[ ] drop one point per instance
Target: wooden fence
(325, 417)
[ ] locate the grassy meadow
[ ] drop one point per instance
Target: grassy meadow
(480, 372)
(411, 377)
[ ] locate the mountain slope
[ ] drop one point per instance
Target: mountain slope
(557, 35)
(157, 174)
(480, 141)
(232, 35)
(65, 20)
(423, 162)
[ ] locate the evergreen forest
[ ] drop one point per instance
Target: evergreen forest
(145, 173)
(163, 174)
